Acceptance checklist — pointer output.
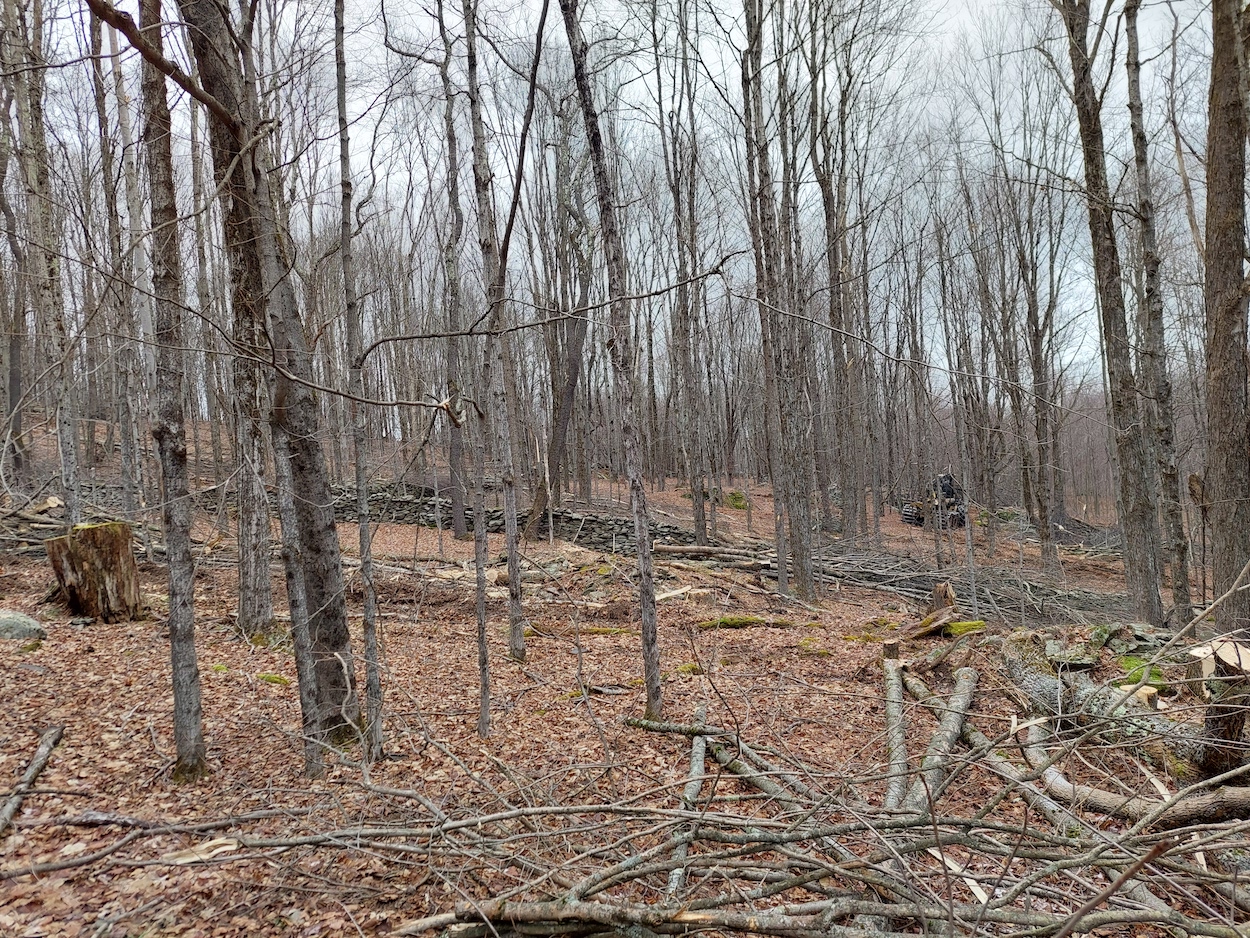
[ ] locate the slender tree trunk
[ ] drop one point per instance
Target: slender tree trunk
(764, 298)
(479, 566)
(451, 286)
(783, 335)
(297, 606)
(494, 366)
(15, 325)
(567, 358)
(622, 352)
(23, 59)
(356, 412)
(168, 428)
(1136, 475)
(1154, 360)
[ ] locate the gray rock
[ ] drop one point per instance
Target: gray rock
(19, 626)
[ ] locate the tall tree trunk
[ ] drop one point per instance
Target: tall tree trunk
(764, 298)
(262, 274)
(356, 412)
(1228, 408)
(495, 367)
(571, 323)
(297, 605)
(622, 352)
(168, 429)
(23, 59)
(1154, 360)
(782, 334)
(135, 299)
(14, 325)
(1136, 475)
(451, 288)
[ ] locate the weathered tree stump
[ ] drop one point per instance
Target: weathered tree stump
(96, 568)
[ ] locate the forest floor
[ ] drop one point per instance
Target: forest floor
(258, 849)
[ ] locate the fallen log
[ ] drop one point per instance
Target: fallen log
(47, 742)
(689, 801)
(895, 731)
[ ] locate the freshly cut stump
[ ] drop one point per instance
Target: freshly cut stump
(96, 568)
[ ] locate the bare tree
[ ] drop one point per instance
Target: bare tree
(1154, 360)
(168, 428)
(260, 271)
(495, 370)
(1136, 474)
(621, 347)
(1228, 408)
(355, 394)
(22, 55)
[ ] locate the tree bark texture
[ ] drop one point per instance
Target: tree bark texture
(95, 566)
(451, 288)
(1228, 405)
(297, 603)
(168, 429)
(1136, 475)
(356, 393)
(22, 53)
(621, 349)
(1155, 370)
(262, 282)
(497, 380)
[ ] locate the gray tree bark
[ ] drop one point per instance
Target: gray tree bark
(1154, 361)
(356, 413)
(495, 369)
(1228, 404)
(622, 352)
(168, 428)
(261, 274)
(1136, 475)
(22, 54)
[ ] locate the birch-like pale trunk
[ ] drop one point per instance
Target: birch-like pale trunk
(22, 55)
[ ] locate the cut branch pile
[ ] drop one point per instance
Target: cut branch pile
(768, 845)
(1011, 597)
(947, 831)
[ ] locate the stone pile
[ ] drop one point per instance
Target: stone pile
(594, 531)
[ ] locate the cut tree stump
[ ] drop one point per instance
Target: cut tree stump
(96, 568)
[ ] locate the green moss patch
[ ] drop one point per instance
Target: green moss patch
(1134, 667)
(739, 622)
(966, 628)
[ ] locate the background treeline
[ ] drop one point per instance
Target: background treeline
(857, 239)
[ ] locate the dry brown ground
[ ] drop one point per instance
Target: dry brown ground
(806, 683)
